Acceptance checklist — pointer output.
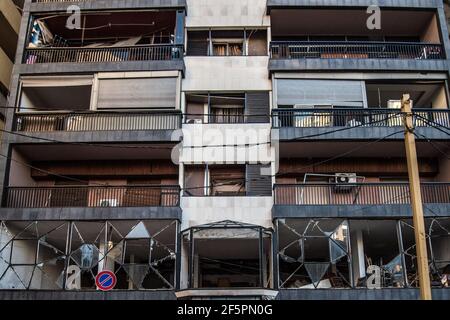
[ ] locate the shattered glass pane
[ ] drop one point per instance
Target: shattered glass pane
(316, 271)
(45, 228)
(87, 232)
(48, 279)
(86, 257)
(292, 252)
(336, 252)
(10, 280)
(313, 229)
(160, 253)
(137, 251)
(47, 252)
(20, 246)
(155, 280)
(395, 271)
(24, 273)
(26, 230)
(138, 232)
(136, 273)
(115, 253)
(340, 235)
(4, 257)
(316, 249)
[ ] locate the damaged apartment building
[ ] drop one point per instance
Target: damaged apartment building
(224, 149)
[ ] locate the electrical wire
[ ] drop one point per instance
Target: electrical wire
(209, 186)
(432, 144)
(184, 147)
(435, 125)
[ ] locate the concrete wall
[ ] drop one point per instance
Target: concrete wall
(227, 134)
(431, 34)
(226, 13)
(226, 74)
(202, 210)
(20, 175)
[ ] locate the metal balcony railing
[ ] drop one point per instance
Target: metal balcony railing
(157, 52)
(97, 121)
(225, 119)
(355, 50)
(92, 196)
(357, 193)
(353, 117)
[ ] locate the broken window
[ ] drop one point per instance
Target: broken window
(32, 255)
(438, 250)
(375, 243)
(227, 43)
(215, 180)
(213, 265)
(41, 255)
(362, 253)
(314, 253)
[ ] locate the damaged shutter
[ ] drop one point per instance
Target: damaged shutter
(336, 93)
(257, 108)
(136, 93)
(257, 184)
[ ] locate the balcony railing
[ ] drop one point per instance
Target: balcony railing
(97, 121)
(225, 119)
(103, 54)
(355, 50)
(354, 117)
(92, 196)
(357, 194)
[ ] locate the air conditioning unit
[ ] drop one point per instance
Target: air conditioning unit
(108, 203)
(345, 182)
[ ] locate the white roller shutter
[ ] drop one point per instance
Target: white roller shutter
(137, 93)
(339, 93)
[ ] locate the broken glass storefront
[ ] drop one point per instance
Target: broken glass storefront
(339, 253)
(227, 254)
(67, 255)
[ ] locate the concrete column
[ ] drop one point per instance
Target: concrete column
(358, 256)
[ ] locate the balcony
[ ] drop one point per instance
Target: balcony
(376, 121)
(355, 50)
(107, 38)
(61, 5)
(339, 39)
(97, 121)
(92, 196)
(357, 199)
(161, 52)
(358, 194)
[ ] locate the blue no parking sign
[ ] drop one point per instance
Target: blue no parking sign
(106, 280)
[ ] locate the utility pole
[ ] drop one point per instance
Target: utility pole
(416, 201)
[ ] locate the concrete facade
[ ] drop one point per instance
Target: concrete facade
(205, 143)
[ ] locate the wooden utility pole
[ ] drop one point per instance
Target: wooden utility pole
(416, 201)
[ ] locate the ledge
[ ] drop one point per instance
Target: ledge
(276, 65)
(112, 136)
(109, 4)
(90, 67)
(357, 211)
(359, 294)
(224, 293)
(357, 133)
(126, 213)
(87, 295)
(275, 4)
